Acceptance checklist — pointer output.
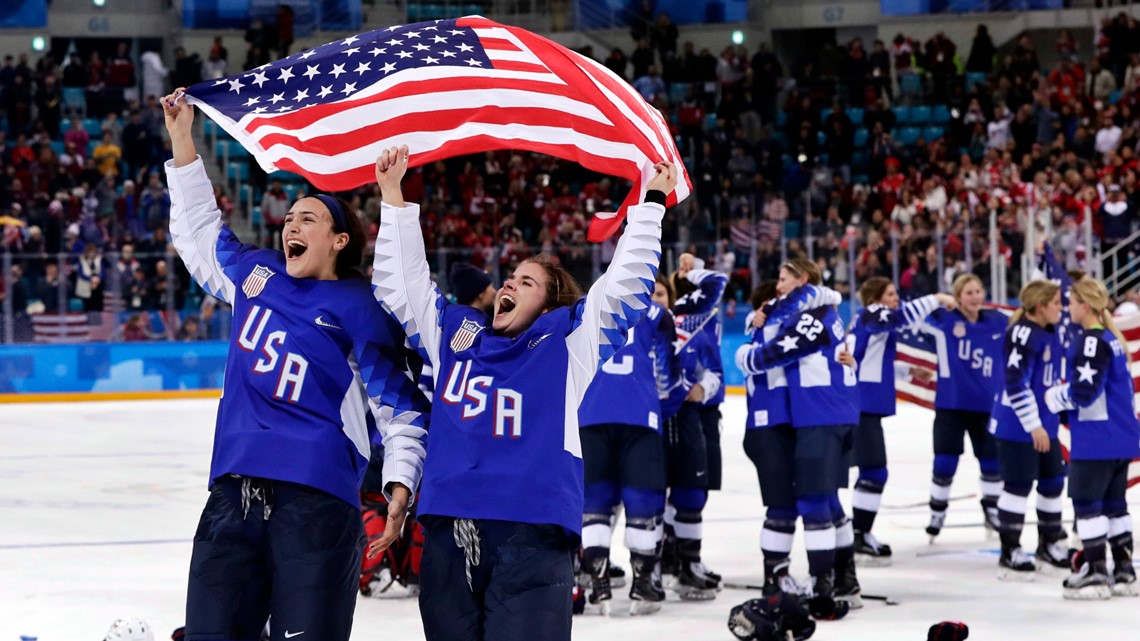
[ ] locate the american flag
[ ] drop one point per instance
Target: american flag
(917, 350)
(444, 88)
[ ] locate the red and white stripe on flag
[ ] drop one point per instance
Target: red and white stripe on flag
(922, 393)
(444, 88)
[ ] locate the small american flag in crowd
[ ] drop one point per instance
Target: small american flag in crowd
(916, 349)
(444, 88)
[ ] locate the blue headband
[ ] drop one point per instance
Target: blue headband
(340, 224)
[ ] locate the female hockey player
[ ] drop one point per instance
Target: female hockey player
(502, 492)
(624, 454)
(1026, 433)
(1105, 438)
(808, 454)
(874, 335)
(768, 410)
(693, 459)
(967, 342)
(281, 533)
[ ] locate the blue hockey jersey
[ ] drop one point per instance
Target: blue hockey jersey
(505, 442)
(699, 311)
(969, 355)
(768, 389)
(821, 391)
(695, 357)
(1099, 397)
(630, 386)
(875, 339)
(314, 367)
(1032, 366)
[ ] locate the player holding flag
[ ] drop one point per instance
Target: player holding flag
(498, 565)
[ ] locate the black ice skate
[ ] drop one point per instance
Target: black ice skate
(1015, 565)
(601, 594)
(696, 583)
(1089, 582)
(1053, 557)
(847, 587)
(1124, 579)
(822, 604)
(991, 521)
(869, 552)
(777, 580)
(646, 592)
(937, 520)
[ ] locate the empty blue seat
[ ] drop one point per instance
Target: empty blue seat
(861, 137)
(1114, 97)
(919, 114)
(859, 160)
(792, 228)
(238, 170)
(932, 133)
(939, 115)
(57, 147)
(856, 115)
(910, 85)
(821, 138)
(908, 136)
(92, 127)
(678, 91)
(291, 190)
(75, 100)
(902, 115)
(860, 179)
(781, 119)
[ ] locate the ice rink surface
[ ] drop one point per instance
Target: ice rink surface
(99, 501)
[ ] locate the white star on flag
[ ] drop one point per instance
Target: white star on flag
(235, 85)
(286, 74)
(259, 79)
(313, 70)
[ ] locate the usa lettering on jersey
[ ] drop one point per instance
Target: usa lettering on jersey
(293, 367)
(471, 392)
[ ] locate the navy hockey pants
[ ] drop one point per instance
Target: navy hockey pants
(268, 548)
(521, 582)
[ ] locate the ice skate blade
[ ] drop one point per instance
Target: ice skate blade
(688, 593)
(1125, 589)
(853, 601)
(641, 608)
(868, 561)
(617, 582)
(1013, 576)
(1048, 569)
(605, 607)
(1088, 593)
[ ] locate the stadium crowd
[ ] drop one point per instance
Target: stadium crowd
(854, 145)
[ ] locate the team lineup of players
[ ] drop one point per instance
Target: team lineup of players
(560, 407)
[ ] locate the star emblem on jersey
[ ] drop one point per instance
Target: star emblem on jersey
(1014, 359)
(254, 284)
(789, 343)
(464, 337)
(1086, 373)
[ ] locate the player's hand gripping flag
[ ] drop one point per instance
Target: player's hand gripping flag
(444, 88)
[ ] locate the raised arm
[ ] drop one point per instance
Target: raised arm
(878, 319)
(802, 298)
(710, 289)
(209, 249)
(620, 297)
(401, 279)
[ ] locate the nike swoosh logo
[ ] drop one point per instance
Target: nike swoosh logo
(320, 321)
(289, 635)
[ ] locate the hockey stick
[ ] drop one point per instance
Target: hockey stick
(751, 586)
(910, 506)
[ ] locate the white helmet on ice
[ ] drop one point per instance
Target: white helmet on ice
(132, 629)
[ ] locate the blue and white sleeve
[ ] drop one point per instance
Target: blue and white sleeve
(401, 280)
(882, 319)
(801, 298)
(618, 299)
(1019, 354)
(387, 370)
(209, 249)
(797, 338)
(667, 363)
(703, 300)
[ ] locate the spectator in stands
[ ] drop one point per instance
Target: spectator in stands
(650, 86)
(137, 328)
(154, 75)
(982, 52)
(107, 155)
(136, 145)
(187, 68)
(89, 279)
(274, 205)
(1109, 135)
(766, 75)
(1100, 83)
(47, 287)
(215, 66)
(642, 58)
(663, 36)
(1116, 217)
(879, 70)
(284, 29)
(120, 78)
(617, 62)
(136, 294)
(154, 204)
(997, 132)
(190, 330)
